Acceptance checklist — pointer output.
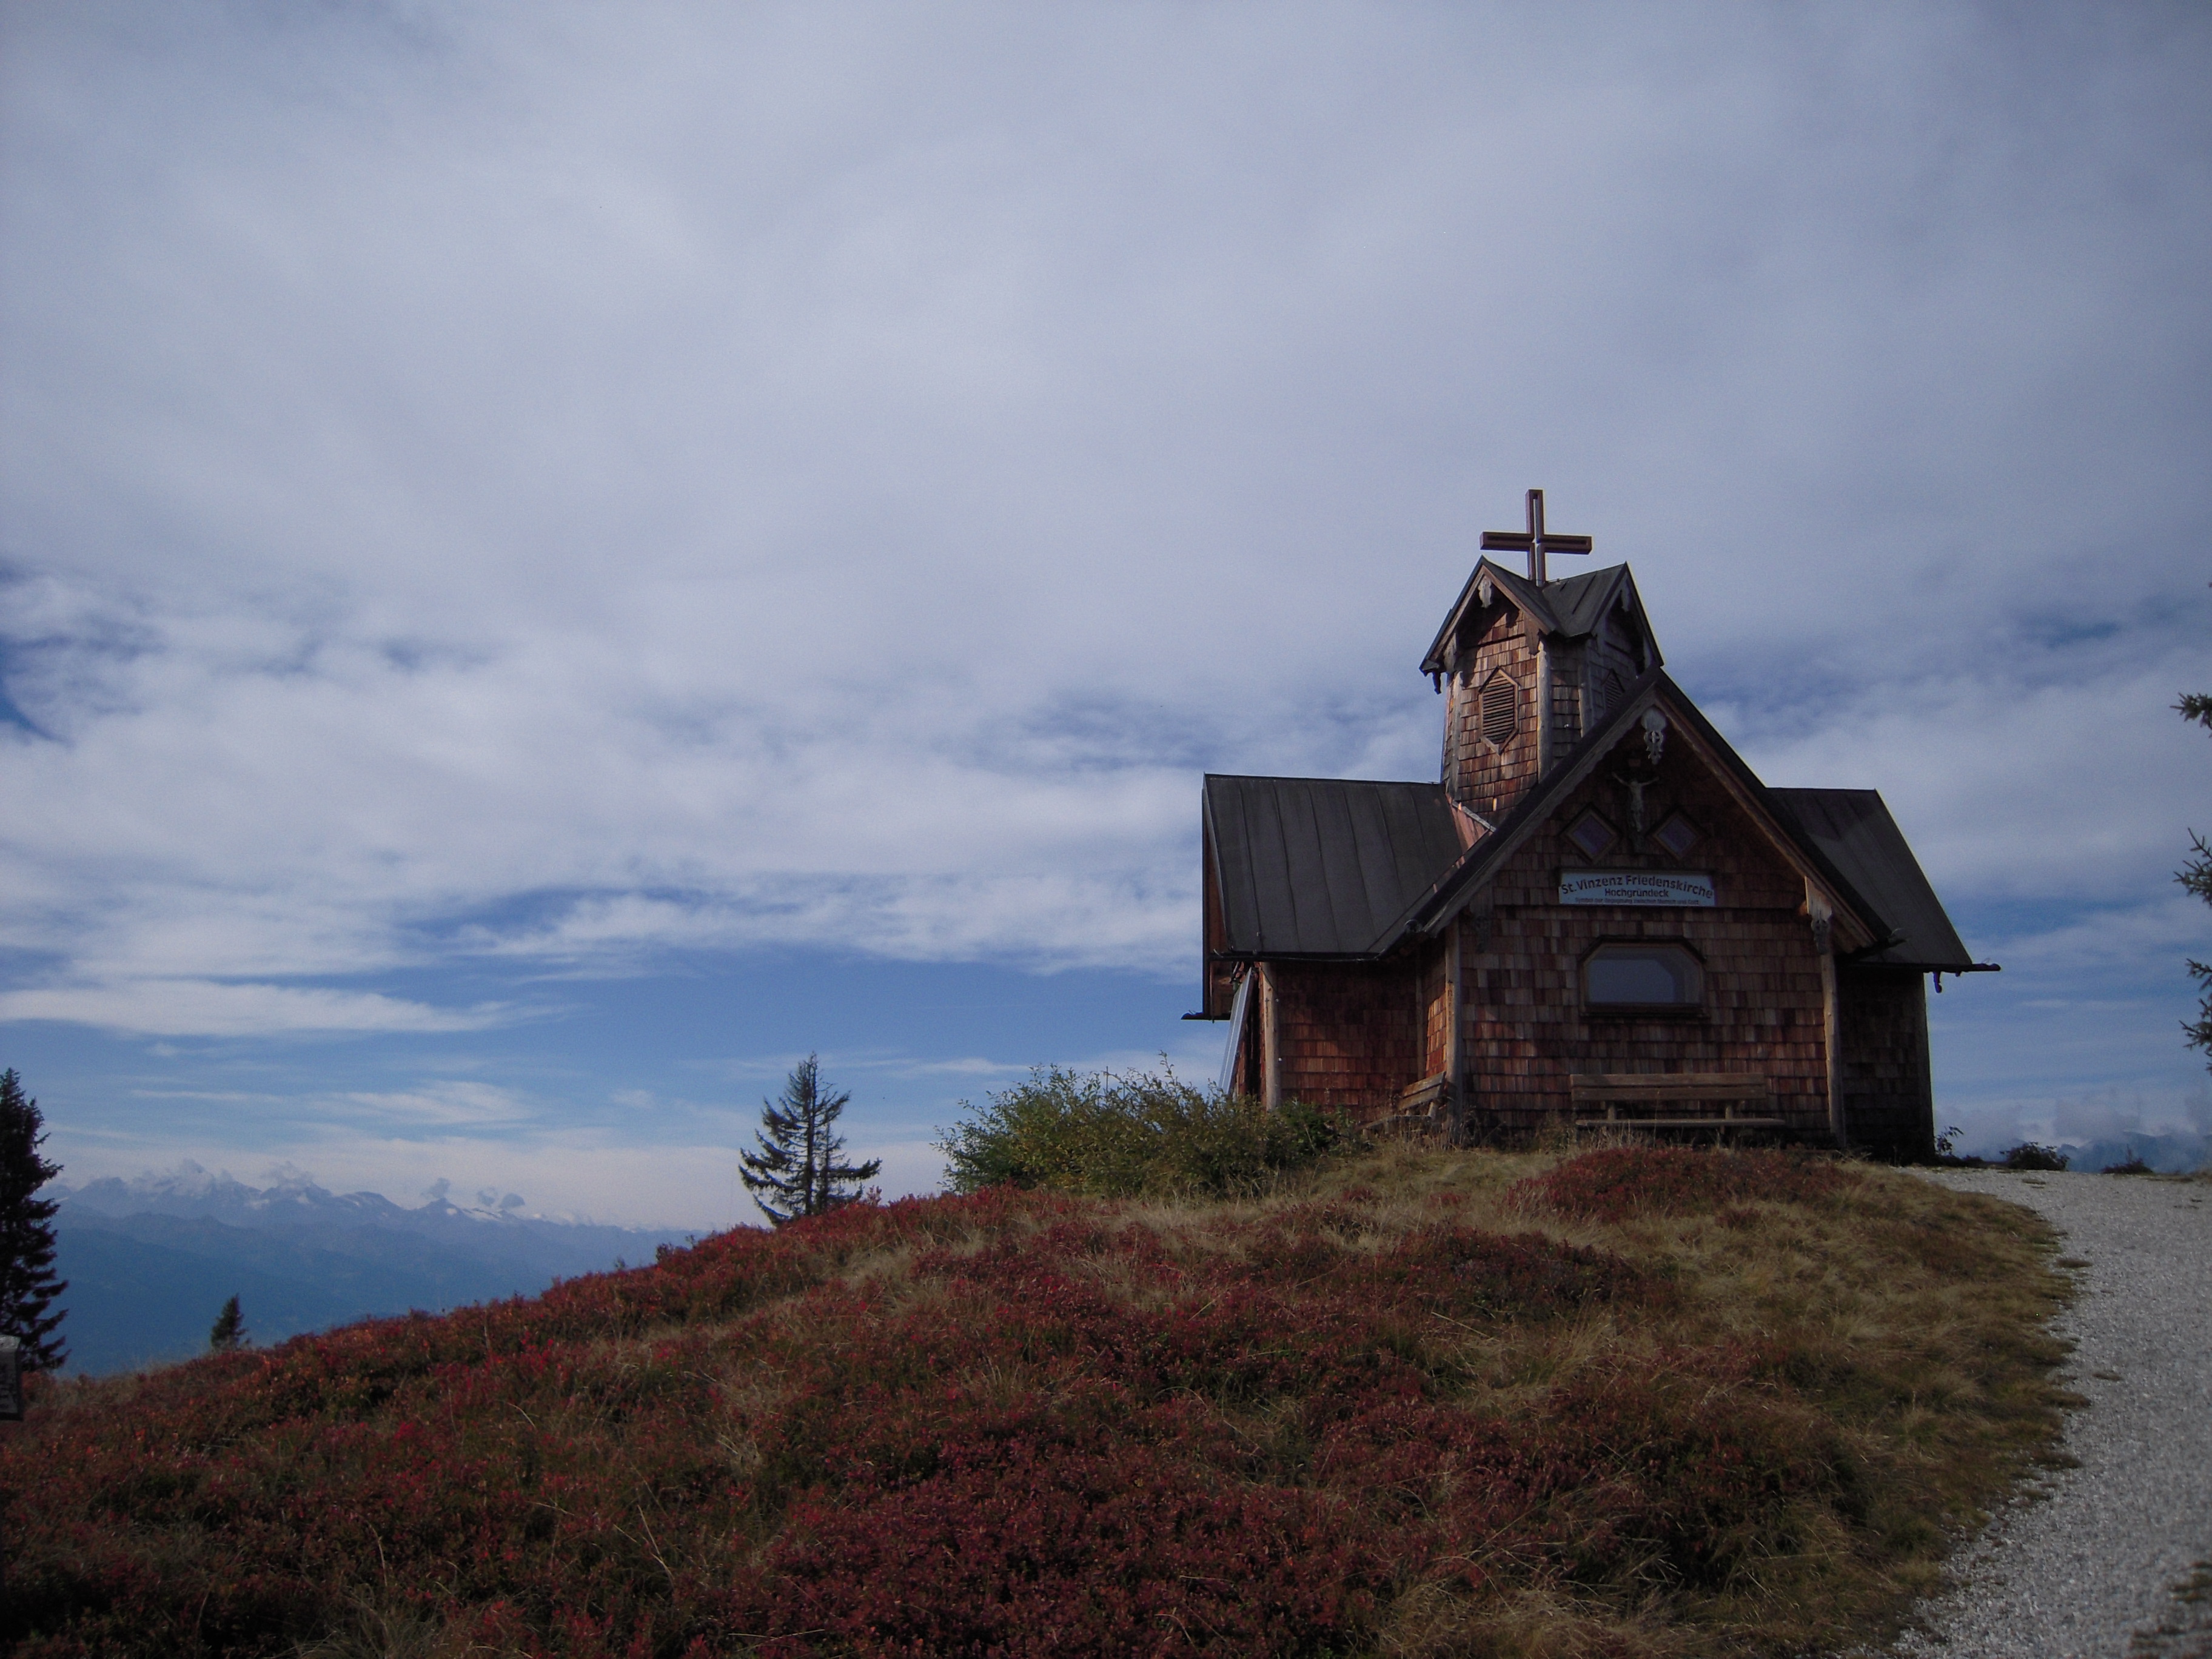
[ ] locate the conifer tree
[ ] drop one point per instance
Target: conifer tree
(228, 1334)
(794, 1170)
(28, 1284)
(2196, 876)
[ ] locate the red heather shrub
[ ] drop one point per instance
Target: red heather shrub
(1018, 1547)
(1620, 1184)
(1039, 1430)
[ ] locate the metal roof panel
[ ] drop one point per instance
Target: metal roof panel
(1853, 827)
(1324, 867)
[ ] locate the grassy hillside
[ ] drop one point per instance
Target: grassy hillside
(1637, 1402)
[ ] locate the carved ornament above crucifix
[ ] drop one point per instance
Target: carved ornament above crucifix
(1535, 541)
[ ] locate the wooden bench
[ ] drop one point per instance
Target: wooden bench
(1423, 1108)
(1426, 1098)
(1744, 1100)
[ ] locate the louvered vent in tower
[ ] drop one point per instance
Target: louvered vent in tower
(1610, 691)
(1498, 712)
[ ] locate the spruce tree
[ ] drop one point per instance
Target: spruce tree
(2195, 876)
(795, 1171)
(28, 1284)
(228, 1333)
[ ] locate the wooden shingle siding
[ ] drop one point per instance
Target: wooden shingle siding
(1889, 1105)
(1526, 1033)
(1351, 1035)
(1482, 776)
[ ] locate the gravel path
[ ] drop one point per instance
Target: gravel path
(2108, 1560)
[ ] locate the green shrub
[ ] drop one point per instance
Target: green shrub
(1107, 1135)
(2030, 1156)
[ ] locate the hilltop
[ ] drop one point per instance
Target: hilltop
(1631, 1402)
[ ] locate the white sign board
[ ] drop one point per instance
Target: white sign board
(1671, 887)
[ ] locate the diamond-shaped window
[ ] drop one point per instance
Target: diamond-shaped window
(1678, 835)
(1592, 835)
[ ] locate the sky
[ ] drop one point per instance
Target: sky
(556, 559)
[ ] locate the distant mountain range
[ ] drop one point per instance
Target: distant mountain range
(150, 1261)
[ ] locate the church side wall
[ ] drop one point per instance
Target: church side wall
(1889, 1099)
(1351, 1035)
(1483, 777)
(1526, 1031)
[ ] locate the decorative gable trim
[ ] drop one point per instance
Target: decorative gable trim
(1568, 609)
(1857, 925)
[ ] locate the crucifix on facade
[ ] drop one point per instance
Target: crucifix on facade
(1535, 541)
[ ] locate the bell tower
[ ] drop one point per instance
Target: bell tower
(1531, 664)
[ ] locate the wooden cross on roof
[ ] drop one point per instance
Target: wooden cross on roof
(1535, 541)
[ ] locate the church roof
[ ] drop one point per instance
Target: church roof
(1568, 609)
(1347, 868)
(1853, 827)
(1324, 867)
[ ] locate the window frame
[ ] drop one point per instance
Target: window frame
(1694, 1010)
(1495, 676)
(1698, 835)
(1614, 839)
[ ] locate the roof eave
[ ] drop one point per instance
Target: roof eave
(1522, 592)
(1302, 956)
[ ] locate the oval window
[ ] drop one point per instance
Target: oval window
(1642, 976)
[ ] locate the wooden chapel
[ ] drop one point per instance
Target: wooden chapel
(1600, 914)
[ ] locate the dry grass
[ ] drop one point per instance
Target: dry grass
(1914, 1316)
(1884, 1339)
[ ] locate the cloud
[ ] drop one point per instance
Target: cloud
(1048, 919)
(440, 1105)
(2056, 778)
(2118, 936)
(210, 1008)
(496, 509)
